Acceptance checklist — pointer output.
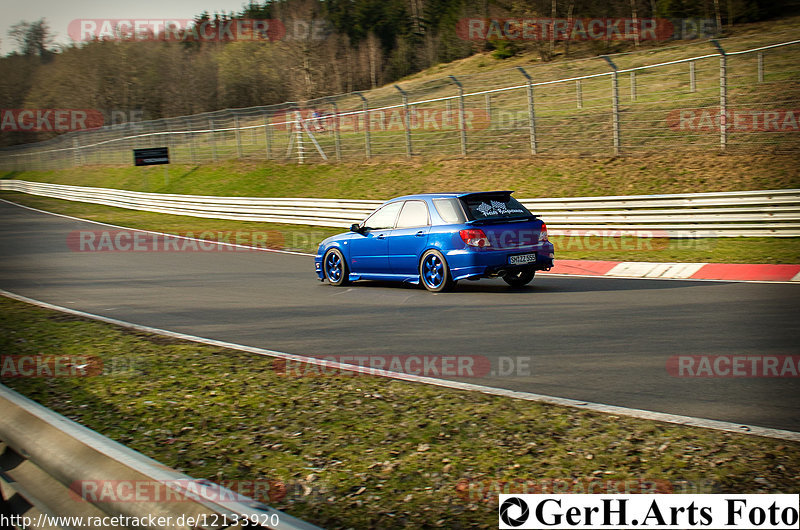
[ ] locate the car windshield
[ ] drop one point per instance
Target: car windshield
(490, 207)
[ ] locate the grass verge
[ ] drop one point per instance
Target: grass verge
(306, 238)
(361, 451)
(689, 172)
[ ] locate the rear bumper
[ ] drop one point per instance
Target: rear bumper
(474, 264)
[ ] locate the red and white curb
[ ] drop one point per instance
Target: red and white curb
(679, 271)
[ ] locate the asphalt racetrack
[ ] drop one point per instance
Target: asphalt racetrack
(592, 339)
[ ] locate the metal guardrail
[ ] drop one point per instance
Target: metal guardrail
(43, 455)
(768, 213)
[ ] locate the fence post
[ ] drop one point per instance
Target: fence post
(692, 77)
(76, 158)
(337, 139)
(298, 130)
(760, 67)
(633, 85)
(462, 118)
(614, 105)
(267, 135)
(213, 139)
(723, 96)
(488, 98)
(365, 107)
(406, 121)
(579, 94)
(238, 135)
(531, 113)
(169, 140)
(192, 147)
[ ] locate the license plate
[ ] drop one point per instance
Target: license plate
(522, 259)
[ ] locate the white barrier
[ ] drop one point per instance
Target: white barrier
(724, 214)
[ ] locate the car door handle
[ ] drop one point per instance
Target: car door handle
(420, 233)
(382, 236)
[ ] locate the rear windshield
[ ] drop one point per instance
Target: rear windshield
(494, 207)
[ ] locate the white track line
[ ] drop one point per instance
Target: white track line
(584, 405)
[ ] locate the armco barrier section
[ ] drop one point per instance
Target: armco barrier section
(766, 213)
(43, 454)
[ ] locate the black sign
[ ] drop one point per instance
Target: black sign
(151, 156)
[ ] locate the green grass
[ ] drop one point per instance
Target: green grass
(361, 451)
(306, 238)
(531, 178)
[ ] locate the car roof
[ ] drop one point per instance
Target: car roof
(459, 194)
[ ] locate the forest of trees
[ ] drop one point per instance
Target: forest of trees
(330, 47)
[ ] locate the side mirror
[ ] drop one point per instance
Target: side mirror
(355, 227)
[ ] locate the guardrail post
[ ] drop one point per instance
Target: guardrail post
(692, 77)
(213, 139)
(579, 94)
(337, 139)
(614, 105)
(760, 67)
(267, 135)
(462, 118)
(531, 113)
(238, 135)
(406, 121)
(723, 96)
(365, 108)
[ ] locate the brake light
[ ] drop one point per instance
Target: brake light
(475, 237)
(543, 233)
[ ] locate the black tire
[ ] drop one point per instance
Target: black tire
(335, 276)
(519, 278)
(434, 273)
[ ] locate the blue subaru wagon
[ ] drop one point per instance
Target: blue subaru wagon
(439, 239)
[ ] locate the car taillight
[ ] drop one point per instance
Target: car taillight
(475, 237)
(543, 233)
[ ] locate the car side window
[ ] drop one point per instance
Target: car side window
(450, 210)
(384, 217)
(414, 214)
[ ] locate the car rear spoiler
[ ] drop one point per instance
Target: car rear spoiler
(483, 194)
